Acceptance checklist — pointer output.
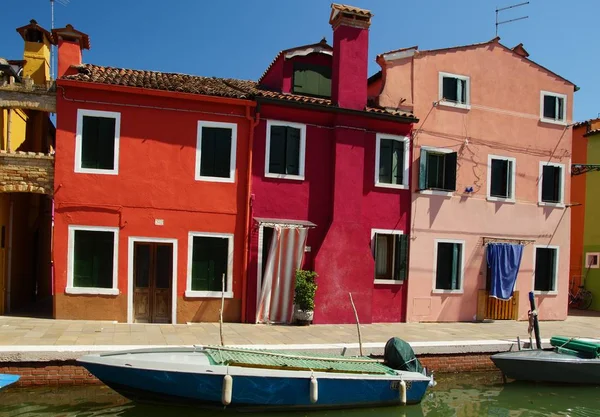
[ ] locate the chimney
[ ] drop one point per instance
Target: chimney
(37, 52)
(350, 55)
(519, 50)
(71, 43)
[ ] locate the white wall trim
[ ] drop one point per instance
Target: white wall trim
(229, 283)
(556, 269)
(71, 289)
(130, 253)
(462, 266)
(513, 161)
(443, 102)
(406, 161)
(302, 157)
(560, 204)
(233, 150)
(563, 121)
(78, 139)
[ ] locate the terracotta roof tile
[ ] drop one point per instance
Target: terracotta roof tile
(351, 9)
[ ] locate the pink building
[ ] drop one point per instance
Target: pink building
(491, 164)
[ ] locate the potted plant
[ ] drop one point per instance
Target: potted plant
(304, 296)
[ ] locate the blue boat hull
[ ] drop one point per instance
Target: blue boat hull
(258, 392)
(8, 379)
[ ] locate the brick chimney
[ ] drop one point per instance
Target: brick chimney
(71, 43)
(350, 55)
(37, 52)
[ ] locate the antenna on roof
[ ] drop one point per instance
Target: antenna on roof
(511, 20)
(53, 47)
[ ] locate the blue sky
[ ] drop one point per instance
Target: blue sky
(239, 38)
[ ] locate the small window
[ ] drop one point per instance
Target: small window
(592, 260)
(312, 80)
(437, 170)
(501, 178)
(546, 267)
(391, 161)
(92, 260)
(390, 251)
(210, 256)
(553, 107)
(449, 265)
(454, 90)
(215, 151)
(97, 142)
(551, 183)
(285, 150)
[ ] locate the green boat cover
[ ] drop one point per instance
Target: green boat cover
(585, 348)
(399, 355)
(305, 361)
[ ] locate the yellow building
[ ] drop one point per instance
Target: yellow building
(26, 173)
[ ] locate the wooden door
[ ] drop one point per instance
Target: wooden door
(153, 277)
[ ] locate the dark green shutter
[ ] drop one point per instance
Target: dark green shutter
(385, 161)
(499, 178)
(545, 261)
(551, 176)
(456, 266)
(560, 104)
(93, 259)
(209, 262)
(443, 273)
(550, 107)
(98, 143)
(223, 153)
(314, 80)
(277, 150)
(423, 183)
(397, 162)
(401, 258)
(449, 88)
(375, 253)
(207, 152)
(292, 151)
(450, 171)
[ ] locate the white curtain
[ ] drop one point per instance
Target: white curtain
(279, 275)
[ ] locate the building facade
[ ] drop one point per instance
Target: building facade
(490, 164)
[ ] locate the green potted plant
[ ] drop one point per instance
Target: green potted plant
(304, 296)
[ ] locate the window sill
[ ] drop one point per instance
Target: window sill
(553, 122)
(388, 282)
(555, 205)
(501, 200)
(207, 294)
(448, 291)
(97, 171)
(394, 186)
(92, 291)
(437, 192)
(455, 105)
(551, 293)
(214, 179)
(285, 176)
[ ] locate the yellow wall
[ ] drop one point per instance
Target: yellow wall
(18, 129)
(37, 66)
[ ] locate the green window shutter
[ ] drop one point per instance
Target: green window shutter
(98, 143)
(443, 274)
(401, 258)
(209, 262)
(560, 108)
(449, 88)
(292, 151)
(549, 107)
(456, 266)
(450, 171)
(385, 161)
(551, 184)
(207, 152)
(544, 269)
(223, 153)
(423, 183)
(499, 178)
(314, 80)
(509, 176)
(89, 142)
(93, 259)
(375, 253)
(397, 162)
(277, 150)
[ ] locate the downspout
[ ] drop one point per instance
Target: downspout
(253, 123)
(9, 266)
(8, 129)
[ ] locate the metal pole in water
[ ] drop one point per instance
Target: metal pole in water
(536, 326)
(221, 310)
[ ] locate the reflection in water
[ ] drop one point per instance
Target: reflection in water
(470, 395)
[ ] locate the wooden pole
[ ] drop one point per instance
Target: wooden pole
(221, 310)
(360, 349)
(536, 326)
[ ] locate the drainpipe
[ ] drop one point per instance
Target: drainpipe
(9, 266)
(253, 123)
(8, 128)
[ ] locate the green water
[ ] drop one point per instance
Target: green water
(464, 395)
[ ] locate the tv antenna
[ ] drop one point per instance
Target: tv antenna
(53, 47)
(511, 20)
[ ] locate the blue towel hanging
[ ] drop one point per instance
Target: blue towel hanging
(504, 260)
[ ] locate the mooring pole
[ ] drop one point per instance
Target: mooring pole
(536, 326)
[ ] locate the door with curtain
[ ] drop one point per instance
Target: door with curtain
(283, 257)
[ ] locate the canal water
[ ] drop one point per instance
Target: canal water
(463, 395)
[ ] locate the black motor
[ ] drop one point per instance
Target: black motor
(400, 356)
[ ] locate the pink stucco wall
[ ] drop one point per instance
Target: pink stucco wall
(503, 120)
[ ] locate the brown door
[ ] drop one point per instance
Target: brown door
(153, 277)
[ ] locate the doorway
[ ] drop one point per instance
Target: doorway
(152, 282)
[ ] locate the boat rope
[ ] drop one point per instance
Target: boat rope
(566, 343)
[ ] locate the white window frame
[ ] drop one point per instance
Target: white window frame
(513, 161)
(562, 122)
(438, 192)
(71, 289)
(232, 159)
(405, 172)
(443, 102)
(560, 204)
(587, 264)
(556, 269)
(78, 139)
(462, 266)
(189, 293)
(302, 127)
(385, 232)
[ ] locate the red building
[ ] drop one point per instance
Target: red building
(330, 180)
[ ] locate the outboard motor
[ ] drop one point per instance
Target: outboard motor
(400, 356)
